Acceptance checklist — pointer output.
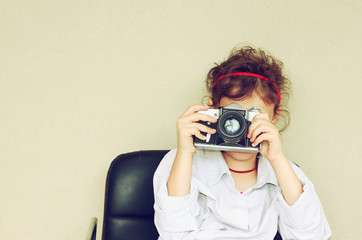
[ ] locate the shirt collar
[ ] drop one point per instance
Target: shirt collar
(217, 167)
(266, 173)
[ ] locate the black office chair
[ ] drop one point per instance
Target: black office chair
(128, 205)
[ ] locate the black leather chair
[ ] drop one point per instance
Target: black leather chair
(128, 205)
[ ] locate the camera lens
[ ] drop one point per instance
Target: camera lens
(231, 126)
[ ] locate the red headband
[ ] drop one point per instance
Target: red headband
(252, 75)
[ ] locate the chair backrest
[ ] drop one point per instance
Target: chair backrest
(128, 208)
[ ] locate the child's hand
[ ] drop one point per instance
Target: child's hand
(188, 126)
(263, 131)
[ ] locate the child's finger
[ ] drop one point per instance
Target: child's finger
(196, 117)
(200, 136)
(196, 130)
(261, 116)
(204, 128)
(254, 125)
(261, 138)
(260, 129)
(195, 108)
(193, 129)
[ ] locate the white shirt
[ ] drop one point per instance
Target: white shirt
(215, 209)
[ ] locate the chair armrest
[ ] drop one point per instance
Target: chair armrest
(92, 230)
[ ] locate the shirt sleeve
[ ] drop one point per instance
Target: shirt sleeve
(305, 219)
(175, 217)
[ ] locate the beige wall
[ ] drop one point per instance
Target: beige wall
(83, 81)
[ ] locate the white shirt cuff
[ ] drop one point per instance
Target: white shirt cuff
(178, 214)
(304, 216)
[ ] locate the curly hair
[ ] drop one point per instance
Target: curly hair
(256, 61)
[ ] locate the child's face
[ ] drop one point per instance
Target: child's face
(248, 103)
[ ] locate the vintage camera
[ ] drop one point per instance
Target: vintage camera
(231, 129)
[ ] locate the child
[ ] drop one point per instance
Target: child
(204, 194)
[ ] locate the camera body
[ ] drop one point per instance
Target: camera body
(231, 129)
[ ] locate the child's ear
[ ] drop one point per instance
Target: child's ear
(276, 115)
(210, 102)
